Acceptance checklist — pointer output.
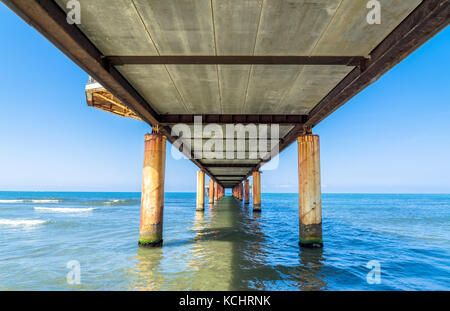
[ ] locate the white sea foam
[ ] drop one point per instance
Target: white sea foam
(11, 201)
(22, 222)
(45, 201)
(64, 209)
(36, 201)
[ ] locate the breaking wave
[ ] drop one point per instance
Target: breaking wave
(12, 201)
(45, 201)
(37, 201)
(23, 222)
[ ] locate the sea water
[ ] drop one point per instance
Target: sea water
(371, 242)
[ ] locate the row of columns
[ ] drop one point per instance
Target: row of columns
(242, 192)
(215, 191)
(152, 201)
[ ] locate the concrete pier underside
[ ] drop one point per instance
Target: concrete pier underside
(299, 95)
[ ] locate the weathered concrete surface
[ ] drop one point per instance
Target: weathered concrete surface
(310, 202)
(200, 190)
(152, 201)
(211, 192)
(256, 191)
(216, 192)
(236, 24)
(350, 34)
(246, 192)
(236, 27)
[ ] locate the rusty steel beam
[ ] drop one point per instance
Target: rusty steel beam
(235, 60)
(171, 119)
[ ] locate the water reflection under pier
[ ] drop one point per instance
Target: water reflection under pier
(229, 249)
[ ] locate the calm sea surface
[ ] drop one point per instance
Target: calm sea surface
(225, 248)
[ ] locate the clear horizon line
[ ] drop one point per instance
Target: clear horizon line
(193, 192)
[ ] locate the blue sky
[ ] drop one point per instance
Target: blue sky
(391, 138)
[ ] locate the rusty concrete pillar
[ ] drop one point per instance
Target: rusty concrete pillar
(256, 191)
(200, 190)
(211, 192)
(246, 192)
(152, 201)
(216, 192)
(241, 192)
(310, 205)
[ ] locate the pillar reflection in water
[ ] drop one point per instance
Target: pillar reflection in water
(147, 274)
(229, 247)
(211, 253)
(308, 276)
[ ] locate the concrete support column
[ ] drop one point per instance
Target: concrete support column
(216, 192)
(246, 192)
(310, 205)
(256, 191)
(241, 192)
(152, 201)
(200, 190)
(211, 192)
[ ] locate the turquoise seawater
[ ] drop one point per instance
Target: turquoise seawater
(226, 247)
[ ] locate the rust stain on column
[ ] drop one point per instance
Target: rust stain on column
(241, 192)
(256, 191)
(247, 192)
(152, 202)
(200, 190)
(216, 192)
(310, 204)
(211, 192)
